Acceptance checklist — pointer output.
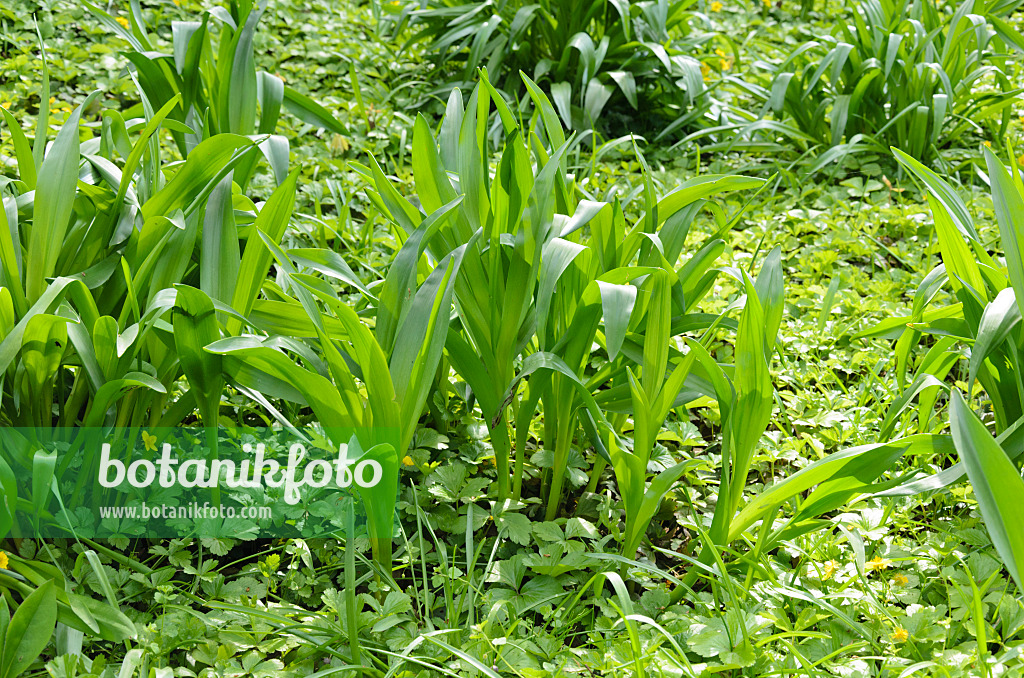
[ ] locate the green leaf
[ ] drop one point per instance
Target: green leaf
(943, 192)
(656, 334)
(54, 201)
(1000, 317)
(849, 471)
(309, 111)
(1009, 204)
(239, 93)
(8, 502)
(43, 464)
(30, 630)
(397, 292)
(195, 326)
(420, 342)
(248, 363)
(219, 257)
(997, 485)
(617, 303)
(201, 171)
(273, 221)
(22, 150)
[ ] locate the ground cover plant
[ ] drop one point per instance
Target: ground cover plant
(685, 336)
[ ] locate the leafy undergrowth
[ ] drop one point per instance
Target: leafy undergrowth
(482, 585)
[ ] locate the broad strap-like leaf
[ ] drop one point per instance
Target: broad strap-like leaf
(29, 630)
(248, 363)
(922, 382)
(770, 293)
(205, 166)
(1009, 205)
(657, 330)
(848, 472)
(273, 221)
(997, 485)
(558, 255)
(421, 340)
(195, 326)
(653, 494)
(951, 203)
(53, 204)
(1000, 317)
(398, 290)
(617, 302)
(219, 257)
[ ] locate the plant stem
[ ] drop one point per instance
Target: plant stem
(501, 444)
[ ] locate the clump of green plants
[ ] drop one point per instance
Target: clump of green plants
(986, 318)
(638, 411)
(899, 73)
(607, 65)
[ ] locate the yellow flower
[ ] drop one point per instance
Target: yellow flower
(830, 569)
(407, 460)
(3, 561)
(705, 70)
(877, 563)
(1020, 161)
(716, 6)
(149, 440)
(900, 579)
(124, 22)
(899, 635)
(988, 144)
(766, 3)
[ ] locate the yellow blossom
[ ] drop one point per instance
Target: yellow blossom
(899, 635)
(149, 440)
(900, 579)
(124, 22)
(1020, 161)
(716, 6)
(988, 144)
(830, 569)
(877, 563)
(3, 561)
(766, 3)
(407, 460)
(705, 70)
